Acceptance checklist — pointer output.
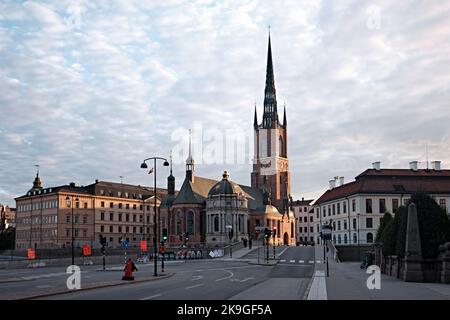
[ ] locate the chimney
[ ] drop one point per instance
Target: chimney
(332, 184)
(376, 165)
(72, 184)
(341, 181)
(413, 165)
(436, 165)
(96, 180)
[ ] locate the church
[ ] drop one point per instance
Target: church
(217, 212)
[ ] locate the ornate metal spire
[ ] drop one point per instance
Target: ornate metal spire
(270, 116)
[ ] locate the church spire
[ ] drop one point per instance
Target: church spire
(284, 117)
(270, 116)
(255, 122)
(171, 179)
(190, 160)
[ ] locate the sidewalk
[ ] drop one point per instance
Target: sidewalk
(347, 281)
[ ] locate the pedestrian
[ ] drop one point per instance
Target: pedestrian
(130, 267)
(250, 243)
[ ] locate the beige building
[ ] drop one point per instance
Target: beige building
(304, 218)
(7, 217)
(45, 216)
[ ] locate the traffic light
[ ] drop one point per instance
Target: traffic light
(102, 240)
(274, 232)
(164, 234)
(187, 236)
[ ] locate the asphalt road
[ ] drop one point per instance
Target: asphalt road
(218, 280)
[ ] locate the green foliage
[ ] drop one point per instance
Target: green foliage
(383, 223)
(7, 239)
(434, 228)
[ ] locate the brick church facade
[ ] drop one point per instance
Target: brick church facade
(214, 212)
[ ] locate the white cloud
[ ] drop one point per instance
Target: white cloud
(89, 89)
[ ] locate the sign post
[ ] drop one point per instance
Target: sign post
(326, 236)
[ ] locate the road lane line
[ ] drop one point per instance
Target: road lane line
(197, 285)
(318, 261)
(283, 251)
(311, 261)
(292, 261)
(151, 297)
(301, 261)
(228, 277)
(282, 260)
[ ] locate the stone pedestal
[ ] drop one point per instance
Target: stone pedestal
(445, 273)
(413, 269)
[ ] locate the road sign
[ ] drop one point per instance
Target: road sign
(31, 254)
(326, 232)
(124, 244)
(143, 245)
(162, 249)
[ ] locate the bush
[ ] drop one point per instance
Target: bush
(434, 228)
(383, 223)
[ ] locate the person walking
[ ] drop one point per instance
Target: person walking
(130, 267)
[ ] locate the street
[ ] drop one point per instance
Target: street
(219, 279)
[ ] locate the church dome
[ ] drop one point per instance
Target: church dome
(225, 187)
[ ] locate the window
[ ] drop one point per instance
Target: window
(345, 239)
(339, 239)
(338, 208)
(334, 225)
(76, 232)
(369, 237)
(119, 194)
(127, 217)
(102, 204)
(443, 203)
(127, 229)
(324, 212)
(354, 223)
(305, 229)
(355, 239)
(126, 194)
(369, 223)
(111, 216)
(345, 224)
(120, 205)
(369, 205)
(339, 225)
(353, 205)
(134, 207)
(344, 207)
(178, 223)
(102, 216)
(102, 228)
(102, 192)
(329, 210)
(394, 205)
(334, 209)
(311, 229)
(382, 205)
(120, 217)
(141, 218)
(85, 205)
(311, 219)
(67, 232)
(216, 223)
(127, 206)
(141, 207)
(111, 205)
(148, 208)
(120, 229)
(134, 229)
(77, 204)
(77, 218)
(84, 233)
(134, 218)
(67, 219)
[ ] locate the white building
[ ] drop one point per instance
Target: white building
(304, 218)
(354, 209)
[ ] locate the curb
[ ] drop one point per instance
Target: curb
(308, 288)
(94, 287)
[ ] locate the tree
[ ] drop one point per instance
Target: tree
(387, 218)
(434, 228)
(7, 239)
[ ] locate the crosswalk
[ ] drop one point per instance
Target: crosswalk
(300, 261)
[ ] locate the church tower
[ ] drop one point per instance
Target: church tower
(270, 163)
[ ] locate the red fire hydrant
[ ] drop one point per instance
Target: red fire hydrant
(130, 267)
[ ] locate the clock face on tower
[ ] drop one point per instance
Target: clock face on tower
(283, 165)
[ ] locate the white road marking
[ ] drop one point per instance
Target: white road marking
(318, 261)
(243, 280)
(230, 276)
(311, 261)
(301, 261)
(292, 261)
(282, 260)
(44, 286)
(283, 251)
(151, 297)
(197, 285)
(195, 278)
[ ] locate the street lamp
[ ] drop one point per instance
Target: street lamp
(359, 249)
(70, 205)
(155, 239)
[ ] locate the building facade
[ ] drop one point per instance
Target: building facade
(7, 217)
(49, 217)
(354, 209)
(207, 209)
(304, 218)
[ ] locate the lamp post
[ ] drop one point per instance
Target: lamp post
(70, 205)
(155, 238)
(359, 252)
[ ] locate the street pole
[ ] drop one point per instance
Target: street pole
(274, 247)
(155, 239)
(267, 249)
(328, 272)
(73, 255)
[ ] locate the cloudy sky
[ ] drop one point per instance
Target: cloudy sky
(88, 89)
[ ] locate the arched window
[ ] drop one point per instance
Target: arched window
(354, 238)
(178, 223)
(334, 239)
(278, 228)
(216, 223)
(369, 237)
(339, 239)
(345, 238)
(281, 147)
(292, 229)
(190, 222)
